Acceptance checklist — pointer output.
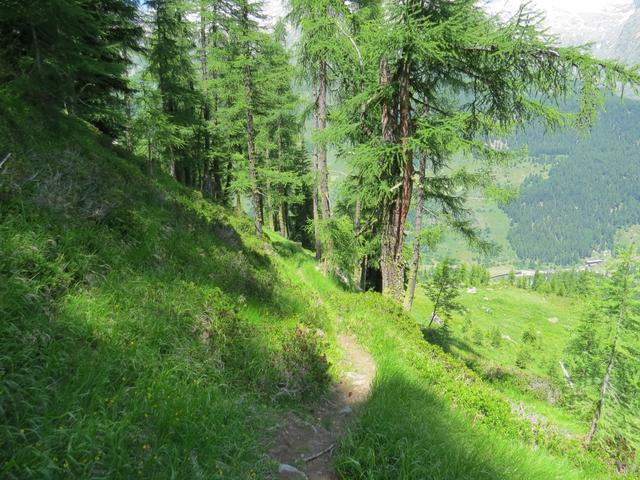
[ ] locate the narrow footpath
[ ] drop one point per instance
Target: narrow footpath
(304, 448)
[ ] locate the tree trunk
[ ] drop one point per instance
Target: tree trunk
(606, 380)
(238, 205)
(219, 192)
(323, 170)
(282, 220)
(356, 228)
(149, 156)
(267, 196)
(395, 212)
(314, 193)
(251, 154)
(436, 305)
(363, 274)
(415, 257)
(36, 48)
(604, 387)
(207, 186)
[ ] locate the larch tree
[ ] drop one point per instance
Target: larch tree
(285, 164)
(319, 45)
(248, 39)
(603, 353)
(478, 75)
(71, 55)
(171, 65)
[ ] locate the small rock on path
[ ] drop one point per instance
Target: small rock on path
(286, 471)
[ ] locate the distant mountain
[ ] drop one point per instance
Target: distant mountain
(611, 26)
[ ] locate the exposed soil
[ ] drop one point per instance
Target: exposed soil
(308, 443)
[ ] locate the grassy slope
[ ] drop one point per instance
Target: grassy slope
(511, 311)
(144, 332)
(149, 334)
(429, 416)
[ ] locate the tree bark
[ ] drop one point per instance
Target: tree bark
(149, 156)
(356, 227)
(238, 205)
(436, 305)
(415, 257)
(207, 186)
(36, 48)
(268, 202)
(314, 192)
(282, 220)
(606, 380)
(323, 169)
(395, 212)
(251, 154)
(363, 274)
(604, 387)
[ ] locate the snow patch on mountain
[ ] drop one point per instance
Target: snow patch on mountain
(607, 25)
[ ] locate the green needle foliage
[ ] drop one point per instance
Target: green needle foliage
(438, 78)
(71, 55)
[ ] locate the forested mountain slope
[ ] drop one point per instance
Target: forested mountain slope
(591, 190)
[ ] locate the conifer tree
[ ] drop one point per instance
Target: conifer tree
(452, 65)
(284, 168)
(171, 65)
(604, 348)
(320, 49)
(71, 55)
(442, 288)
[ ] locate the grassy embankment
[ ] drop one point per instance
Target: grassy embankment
(147, 333)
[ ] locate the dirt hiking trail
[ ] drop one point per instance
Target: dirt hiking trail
(303, 447)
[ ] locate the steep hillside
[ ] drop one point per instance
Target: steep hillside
(147, 333)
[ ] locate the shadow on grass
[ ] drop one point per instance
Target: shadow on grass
(405, 432)
(142, 375)
(433, 336)
(122, 353)
(287, 249)
(86, 400)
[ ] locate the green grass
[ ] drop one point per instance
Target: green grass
(511, 311)
(147, 333)
(429, 415)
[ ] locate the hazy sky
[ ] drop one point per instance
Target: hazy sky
(274, 8)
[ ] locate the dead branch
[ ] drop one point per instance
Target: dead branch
(4, 160)
(319, 454)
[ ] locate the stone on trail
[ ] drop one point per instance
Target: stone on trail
(287, 472)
